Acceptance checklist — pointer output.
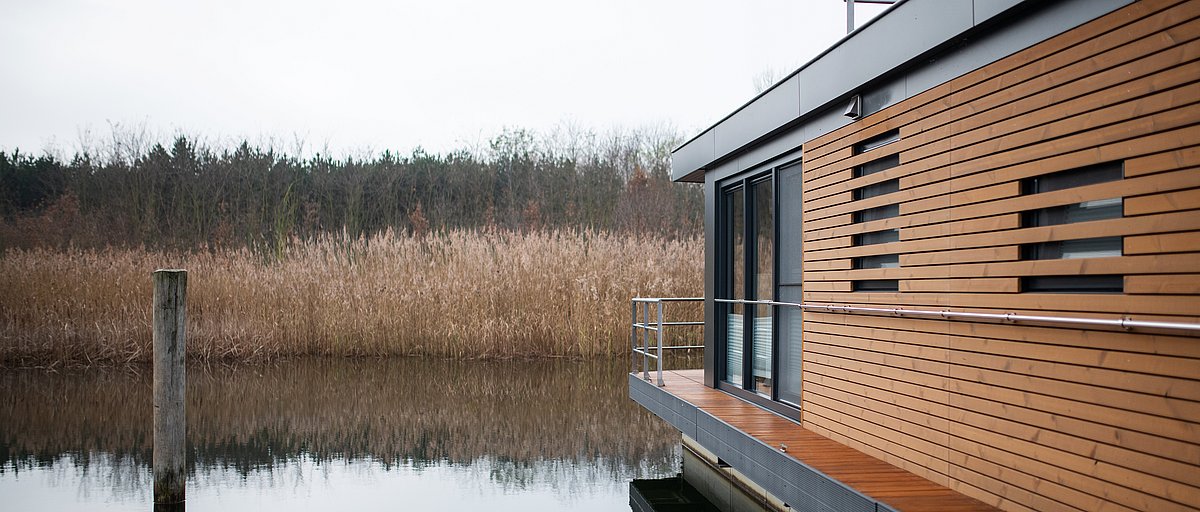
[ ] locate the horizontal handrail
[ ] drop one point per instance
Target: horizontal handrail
(1122, 323)
(667, 299)
(667, 323)
(644, 353)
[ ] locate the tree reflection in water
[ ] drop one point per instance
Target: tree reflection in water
(562, 427)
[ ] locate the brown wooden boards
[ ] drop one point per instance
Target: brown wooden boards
(1026, 417)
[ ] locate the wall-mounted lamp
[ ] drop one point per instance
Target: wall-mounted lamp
(854, 109)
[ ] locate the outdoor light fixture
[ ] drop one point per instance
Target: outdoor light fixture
(854, 109)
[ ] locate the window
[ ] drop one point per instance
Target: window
(877, 213)
(1105, 247)
(879, 261)
(749, 262)
(1071, 178)
(1079, 212)
(880, 212)
(877, 237)
(877, 141)
(878, 189)
(1087, 211)
(877, 285)
(1073, 284)
(878, 165)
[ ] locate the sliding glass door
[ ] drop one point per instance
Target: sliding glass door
(755, 360)
(749, 264)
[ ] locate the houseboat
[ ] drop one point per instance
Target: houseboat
(952, 263)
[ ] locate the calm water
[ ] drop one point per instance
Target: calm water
(408, 434)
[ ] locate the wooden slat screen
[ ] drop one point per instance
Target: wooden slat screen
(1022, 417)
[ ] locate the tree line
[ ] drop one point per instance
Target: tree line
(186, 194)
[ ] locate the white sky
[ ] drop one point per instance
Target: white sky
(360, 75)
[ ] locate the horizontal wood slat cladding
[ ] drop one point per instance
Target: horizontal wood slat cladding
(1021, 416)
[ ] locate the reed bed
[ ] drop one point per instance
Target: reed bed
(457, 294)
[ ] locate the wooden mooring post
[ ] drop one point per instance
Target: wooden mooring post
(170, 422)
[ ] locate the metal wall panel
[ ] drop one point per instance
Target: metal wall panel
(985, 9)
(896, 40)
(725, 170)
(693, 155)
(780, 149)
(907, 31)
(1022, 33)
(773, 109)
(880, 97)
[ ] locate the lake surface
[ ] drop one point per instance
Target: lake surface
(319, 434)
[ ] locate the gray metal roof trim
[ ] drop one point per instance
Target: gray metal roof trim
(793, 73)
(693, 170)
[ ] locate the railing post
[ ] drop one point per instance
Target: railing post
(646, 341)
(659, 363)
(633, 336)
(170, 420)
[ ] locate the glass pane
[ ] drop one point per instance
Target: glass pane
(763, 381)
(878, 189)
(1073, 284)
(878, 261)
(1106, 247)
(733, 344)
(790, 343)
(877, 237)
(737, 245)
(877, 141)
(736, 263)
(1080, 212)
(876, 285)
(764, 240)
(764, 283)
(877, 213)
(790, 228)
(879, 165)
(1092, 174)
(1092, 248)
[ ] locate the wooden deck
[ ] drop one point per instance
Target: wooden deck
(872, 477)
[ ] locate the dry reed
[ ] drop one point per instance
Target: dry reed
(461, 294)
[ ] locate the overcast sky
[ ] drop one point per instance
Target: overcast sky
(355, 76)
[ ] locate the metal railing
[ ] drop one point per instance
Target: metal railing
(657, 326)
(1120, 323)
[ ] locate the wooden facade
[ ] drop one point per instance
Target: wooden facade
(1021, 417)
